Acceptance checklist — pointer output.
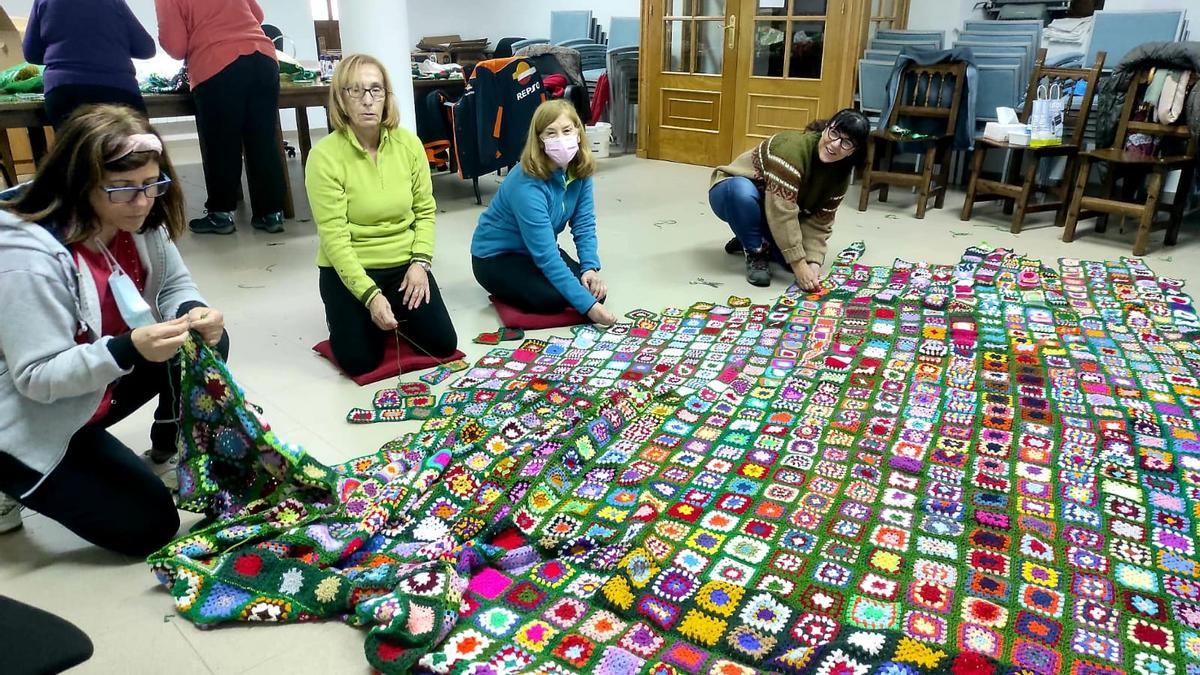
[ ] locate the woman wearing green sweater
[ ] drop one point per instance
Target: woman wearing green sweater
(372, 199)
(780, 198)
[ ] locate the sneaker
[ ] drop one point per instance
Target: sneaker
(272, 222)
(758, 266)
(166, 468)
(734, 246)
(160, 456)
(10, 514)
(213, 222)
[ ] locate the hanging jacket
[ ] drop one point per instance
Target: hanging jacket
(1173, 55)
(964, 129)
(433, 126)
(465, 144)
(504, 94)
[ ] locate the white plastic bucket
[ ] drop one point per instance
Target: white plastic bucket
(599, 137)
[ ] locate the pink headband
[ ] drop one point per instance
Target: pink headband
(136, 143)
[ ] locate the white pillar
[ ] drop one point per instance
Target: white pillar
(380, 28)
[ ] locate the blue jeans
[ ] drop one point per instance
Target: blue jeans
(739, 203)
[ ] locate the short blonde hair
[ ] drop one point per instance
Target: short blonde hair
(534, 160)
(343, 77)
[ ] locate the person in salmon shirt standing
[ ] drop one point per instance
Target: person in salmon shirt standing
(234, 75)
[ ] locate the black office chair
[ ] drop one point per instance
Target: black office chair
(274, 34)
(504, 47)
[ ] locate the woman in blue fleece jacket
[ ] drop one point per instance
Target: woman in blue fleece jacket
(515, 253)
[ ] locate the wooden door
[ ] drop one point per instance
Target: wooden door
(688, 59)
(796, 64)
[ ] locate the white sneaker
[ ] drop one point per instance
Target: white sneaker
(166, 471)
(10, 514)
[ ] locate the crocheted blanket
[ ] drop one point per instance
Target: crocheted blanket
(990, 467)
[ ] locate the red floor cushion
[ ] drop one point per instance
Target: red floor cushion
(511, 317)
(390, 366)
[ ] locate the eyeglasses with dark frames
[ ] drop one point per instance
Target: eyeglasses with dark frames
(840, 140)
(124, 195)
(360, 93)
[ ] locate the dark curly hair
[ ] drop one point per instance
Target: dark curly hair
(851, 124)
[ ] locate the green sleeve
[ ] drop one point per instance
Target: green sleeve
(423, 206)
(325, 183)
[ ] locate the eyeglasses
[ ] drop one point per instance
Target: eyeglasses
(839, 140)
(360, 93)
(124, 195)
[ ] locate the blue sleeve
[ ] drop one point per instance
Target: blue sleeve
(141, 43)
(583, 227)
(33, 46)
(533, 219)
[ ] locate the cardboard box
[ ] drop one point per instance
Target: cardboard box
(12, 30)
(431, 43)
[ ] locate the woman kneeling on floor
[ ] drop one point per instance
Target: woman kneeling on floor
(372, 198)
(96, 302)
(780, 197)
(515, 253)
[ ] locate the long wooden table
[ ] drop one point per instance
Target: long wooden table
(30, 115)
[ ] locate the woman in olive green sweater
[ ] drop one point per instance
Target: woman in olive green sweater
(780, 197)
(372, 199)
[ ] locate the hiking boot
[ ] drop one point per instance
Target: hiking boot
(213, 222)
(10, 514)
(758, 266)
(271, 223)
(733, 246)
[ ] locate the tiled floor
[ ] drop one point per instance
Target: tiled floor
(660, 246)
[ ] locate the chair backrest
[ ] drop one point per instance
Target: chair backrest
(999, 86)
(504, 48)
(521, 44)
(1074, 117)
(1022, 50)
(592, 56)
(1119, 32)
(873, 75)
(569, 24)
(901, 44)
(938, 37)
(1177, 132)
(575, 42)
(1026, 40)
(1033, 26)
(624, 31)
(881, 55)
(931, 92)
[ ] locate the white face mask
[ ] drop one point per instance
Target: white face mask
(133, 307)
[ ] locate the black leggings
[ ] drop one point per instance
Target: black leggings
(102, 490)
(239, 108)
(356, 341)
(516, 280)
(65, 99)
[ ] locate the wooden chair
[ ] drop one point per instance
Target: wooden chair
(1016, 195)
(8, 165)
(926, 92)
(1176, 149)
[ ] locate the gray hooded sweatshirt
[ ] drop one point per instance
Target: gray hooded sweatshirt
(50, 386)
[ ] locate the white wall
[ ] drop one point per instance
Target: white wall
(943, 15)
(504, 18)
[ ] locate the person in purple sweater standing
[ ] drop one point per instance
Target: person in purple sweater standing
(88, 47)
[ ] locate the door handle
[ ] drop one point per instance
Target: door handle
(731, 31)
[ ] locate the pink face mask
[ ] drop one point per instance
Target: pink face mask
(561, 150)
